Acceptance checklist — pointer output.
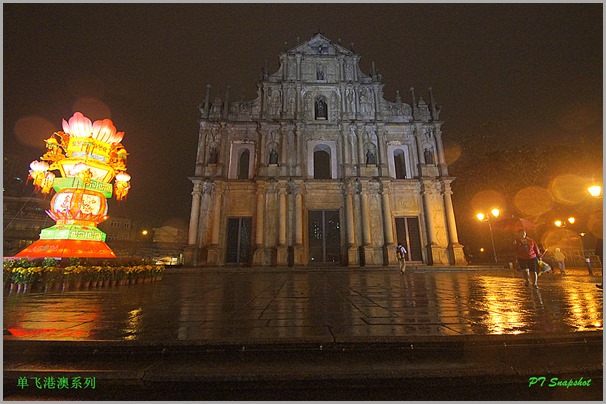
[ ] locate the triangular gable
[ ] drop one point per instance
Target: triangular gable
(320, 45)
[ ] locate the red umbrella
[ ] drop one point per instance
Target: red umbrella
(513, 224)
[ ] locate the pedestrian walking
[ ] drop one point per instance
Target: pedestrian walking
(401, 256)
(527, 255)
(559, 258)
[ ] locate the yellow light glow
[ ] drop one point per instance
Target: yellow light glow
(144, 232)
(595, 191)
(495, 212)
(558, 223)
(482, 249)
(480, 217)
(571, 220)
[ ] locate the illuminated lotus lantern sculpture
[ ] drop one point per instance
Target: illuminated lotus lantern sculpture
(89, 156)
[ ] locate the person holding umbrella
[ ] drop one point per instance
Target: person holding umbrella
(527, 254)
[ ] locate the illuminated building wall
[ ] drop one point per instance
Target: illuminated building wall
(320, 169)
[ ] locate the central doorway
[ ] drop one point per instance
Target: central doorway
(409, 234)
(324, 232)
(239, 231)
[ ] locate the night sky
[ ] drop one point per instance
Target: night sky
(529, 68)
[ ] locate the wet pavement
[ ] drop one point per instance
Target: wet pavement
(455, 319)
(313, 306)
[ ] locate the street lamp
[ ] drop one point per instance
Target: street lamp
(560, 223)
(595, 191)
(486, 218)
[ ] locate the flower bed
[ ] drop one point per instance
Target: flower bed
(47, 274)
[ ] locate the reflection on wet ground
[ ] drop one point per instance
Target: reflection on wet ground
(308, 305)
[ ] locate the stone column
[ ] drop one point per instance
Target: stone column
(258, 255)
(262, 141)
(344, 137)
(418, 150)
(201, 154)
(284, 63)
(365, 218)
(341, 69)
(282, 252)
(195, 213)
(299, 152)
(343, 100)
(214, 251)
(361, 157)
(353, 256)
(356, 100)
(191, 253)
(457, 256)
(216, 218)
(298, 57)
(299, 249)
(297, 100)
(431, 235)
(284, 148)
(390, 246)
(382, 146)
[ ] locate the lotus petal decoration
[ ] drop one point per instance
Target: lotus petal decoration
(104, 130)
(39, 165)
(78, 126)
(122, 176)
(118, 137)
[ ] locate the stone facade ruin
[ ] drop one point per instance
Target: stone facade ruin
(320, 169)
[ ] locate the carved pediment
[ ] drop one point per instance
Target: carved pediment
(320, 45)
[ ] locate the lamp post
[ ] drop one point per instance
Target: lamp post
(486, 218)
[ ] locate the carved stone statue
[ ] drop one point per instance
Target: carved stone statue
(213, 155)
(370, 157)
(428, 156)
(273, 156)
(321, 110)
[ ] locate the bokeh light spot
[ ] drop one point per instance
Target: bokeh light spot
(452, 153)
(32, 130)
(533, 201)
(562, 238)
(93, 108)
(569, 189)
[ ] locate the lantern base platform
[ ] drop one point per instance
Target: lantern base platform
(66, 248)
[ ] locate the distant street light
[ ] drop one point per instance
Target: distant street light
(486, 218)
(560, 223)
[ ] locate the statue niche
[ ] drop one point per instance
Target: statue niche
(321, 108)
